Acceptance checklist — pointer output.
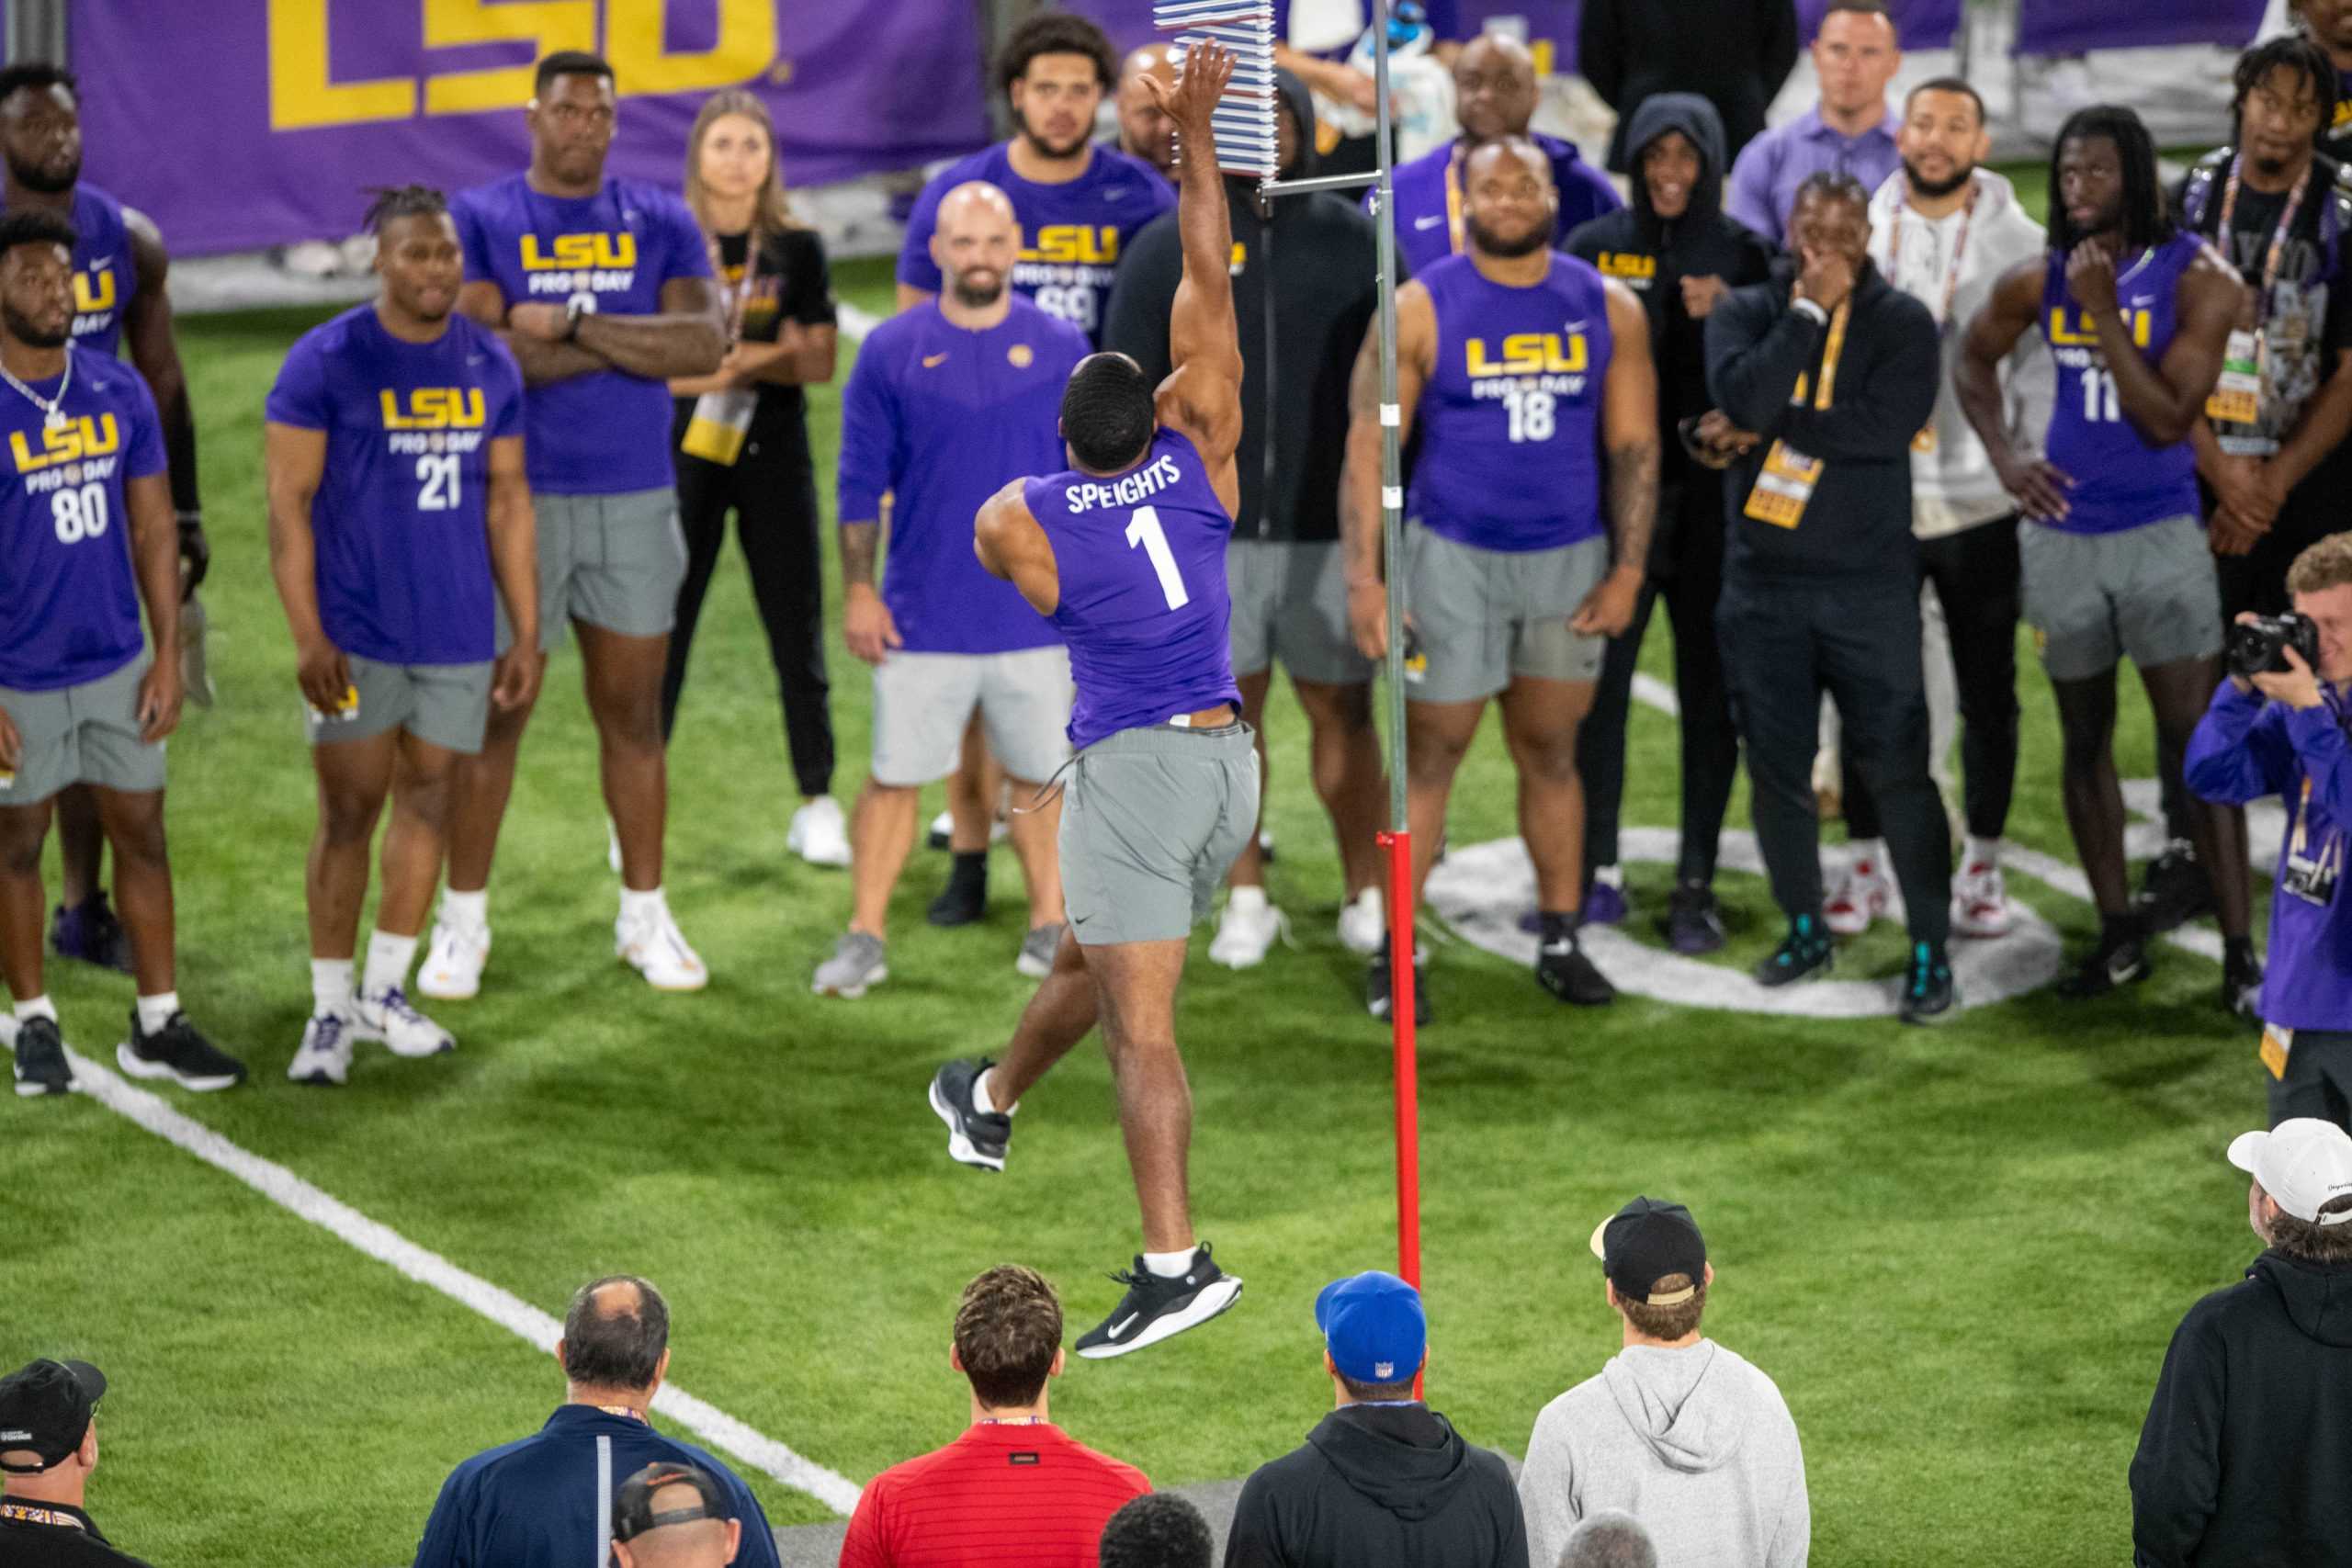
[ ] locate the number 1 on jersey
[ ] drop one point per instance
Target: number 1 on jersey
(1145, 530)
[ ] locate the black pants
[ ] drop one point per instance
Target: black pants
(772, 490)
(1783, 645)
(2318, 1081)
(1976, 578)
(1709, 745)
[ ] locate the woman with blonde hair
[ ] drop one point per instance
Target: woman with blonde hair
(743, 440)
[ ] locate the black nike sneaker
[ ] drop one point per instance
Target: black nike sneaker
(2242, 981)
(974, 1137)
(1806, 951)
(1156, 1307)
(2120, 959)
(1377, 982)
(41, 1059)
(1928, 992)
(2175, 891)
(1563, 969)
(178, 1053)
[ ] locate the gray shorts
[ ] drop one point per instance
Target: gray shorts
(1481, 617)
(1151, 822)
(442, 704)
(614, 562)
(1290, 602)
(923, 701)
(86, 734)
(2093, 597)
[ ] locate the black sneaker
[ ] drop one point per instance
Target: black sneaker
(966, 897)
(1565, 971)
(1154, 1308)
(178, 1053)
(974, 1137)
(1806, 951)
(2241, 982)
(2175, 891)
(1693, 925)
(1377, 981)
(89, 933)
(41, 1059)
(1928, 992)
(2121, 962)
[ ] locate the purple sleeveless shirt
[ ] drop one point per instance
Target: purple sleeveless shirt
(1144, 604)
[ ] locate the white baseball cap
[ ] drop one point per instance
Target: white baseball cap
(2304, 1163)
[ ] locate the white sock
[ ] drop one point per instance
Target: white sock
(467, 911)
(331, 988)
(1248, 900)
(1611, 877)
(1871, 853)
(387, 961)
(1982, 851)
(156, 1011)
(36, 1006)
(642, 906)
(1169, 1265)
(980, 1101)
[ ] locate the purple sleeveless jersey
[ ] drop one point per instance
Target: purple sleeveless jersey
(2120, 480)
(1144, 604)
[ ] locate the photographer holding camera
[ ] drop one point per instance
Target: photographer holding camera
(2276, 727)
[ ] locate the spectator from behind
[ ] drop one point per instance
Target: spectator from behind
(1383, 1479)
(674, 1515)
(49, 1445)
(1849, 132)
(1676, 1427)
(1611, 1538)
(1735, 53)
(1014, 1490)
(543, 1501)
(2242, 1457)
(1157, 1529)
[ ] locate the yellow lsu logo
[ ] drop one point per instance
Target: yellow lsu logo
(2077, 332)
(580, 253)
(75, 440)
(1625, 264)
(1528, 353)
(93, 292)
(1074, 244)
(433, 408)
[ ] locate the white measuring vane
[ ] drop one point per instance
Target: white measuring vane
(1245, 112)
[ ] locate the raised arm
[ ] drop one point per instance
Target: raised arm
(1629, 438)
(1359, 509)
(1202, 397)
(2040, 487)
(2163, 399)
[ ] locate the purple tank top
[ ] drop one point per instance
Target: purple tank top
(2120, 480)
(1144, 604)
(1510, 423)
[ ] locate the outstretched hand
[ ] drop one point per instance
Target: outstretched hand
(1208, 67)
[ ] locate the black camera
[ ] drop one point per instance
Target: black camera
(2259, 647)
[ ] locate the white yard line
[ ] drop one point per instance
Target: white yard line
(852, 322)
(510, 1311)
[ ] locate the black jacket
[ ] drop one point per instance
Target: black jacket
(1735, 53)
(1304, 290)
(1858, 523)
(2246, 1456)
(1392, 1484)
(52, 1535)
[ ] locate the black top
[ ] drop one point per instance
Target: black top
(1380, 1483)
(55, 1535)
(1735, 53)
(791, 283)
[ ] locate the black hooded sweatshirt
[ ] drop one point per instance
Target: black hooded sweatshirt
(1388, 1484)
(1304, 287)
(2246, 1456)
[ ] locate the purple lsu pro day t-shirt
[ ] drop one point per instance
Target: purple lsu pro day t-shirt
(401, 517)
(105, 275)
(1071, 234)
(606, 432)
(943, 418)
(1144, 604)
(69, 600)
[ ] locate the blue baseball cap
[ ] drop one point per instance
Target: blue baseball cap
(1374, 1327)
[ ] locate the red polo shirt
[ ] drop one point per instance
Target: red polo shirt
(1011, 1495)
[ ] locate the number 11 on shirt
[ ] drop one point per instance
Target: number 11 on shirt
(1144, 529)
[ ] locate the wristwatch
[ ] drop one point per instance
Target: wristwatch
(577, 308)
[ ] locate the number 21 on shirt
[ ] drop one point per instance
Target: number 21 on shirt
(1144, 529)
(436, 480)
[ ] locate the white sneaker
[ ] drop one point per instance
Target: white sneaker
(1363, 922)
(387, 1017)
(453, 962)
(1861, 895)
(325, 1056)
(654, 948)
(1979, 902)
(1246, 930)
(818, 834)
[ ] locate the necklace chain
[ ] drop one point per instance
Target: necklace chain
(53, 409)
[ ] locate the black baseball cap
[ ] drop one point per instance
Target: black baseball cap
(633, 1512)
(1645, 1241)
(46, 1406)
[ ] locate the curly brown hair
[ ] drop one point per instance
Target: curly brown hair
(1007, 1327)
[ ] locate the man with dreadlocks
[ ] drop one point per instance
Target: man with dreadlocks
(397, 496)
(2138, 313)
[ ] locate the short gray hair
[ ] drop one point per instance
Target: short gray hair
(1611, 1538)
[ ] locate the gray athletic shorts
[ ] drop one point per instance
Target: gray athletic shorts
(442, 704)
(923, 701)
(1151, 822)
(614, 562)
(1290, 602)
(1482, 616)
(84, 734)
(2093, 597)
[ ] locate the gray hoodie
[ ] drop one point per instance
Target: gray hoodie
(1695, 1443)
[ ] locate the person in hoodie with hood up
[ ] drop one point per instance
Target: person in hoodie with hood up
(1676, 1431)
(1305, 284)
(1675, 249)
(1383, 1479)
(2249, 1436)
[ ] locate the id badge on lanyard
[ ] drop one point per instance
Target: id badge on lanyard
(2277, 1041)
(2237, 396)
(1784, 485)
(2308, 873)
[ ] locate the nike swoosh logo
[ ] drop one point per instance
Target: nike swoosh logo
(97, 261)
(931, 361)
(1431, 222)
(1574, 326)
(2118, 969)
(1556, 948)
(1122, 1325)
(475, 358)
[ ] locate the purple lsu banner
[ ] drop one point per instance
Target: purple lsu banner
(2074, 27)
(259, 122)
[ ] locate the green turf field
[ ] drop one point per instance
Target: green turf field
(1960, 1250)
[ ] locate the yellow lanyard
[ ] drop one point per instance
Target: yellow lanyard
(1831, 354)
(1453, 199)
